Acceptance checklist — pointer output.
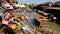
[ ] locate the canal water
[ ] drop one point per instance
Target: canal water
(29, 12)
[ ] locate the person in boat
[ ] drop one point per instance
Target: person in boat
(16, 5)
(7, 5)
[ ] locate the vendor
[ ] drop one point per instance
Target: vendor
(16, 6)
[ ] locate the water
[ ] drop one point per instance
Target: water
(29, 12)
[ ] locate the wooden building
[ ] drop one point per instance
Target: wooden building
(53, 9)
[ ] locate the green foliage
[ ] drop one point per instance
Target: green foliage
(30, 6)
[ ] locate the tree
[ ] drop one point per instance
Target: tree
(30, 6)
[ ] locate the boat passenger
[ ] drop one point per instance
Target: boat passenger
(7, 5)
